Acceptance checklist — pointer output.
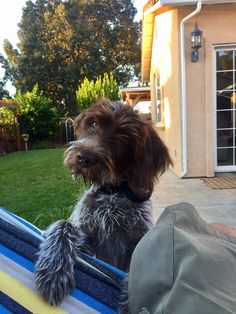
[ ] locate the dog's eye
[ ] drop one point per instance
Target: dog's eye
(95, 125)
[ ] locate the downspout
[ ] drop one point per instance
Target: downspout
(183, 90)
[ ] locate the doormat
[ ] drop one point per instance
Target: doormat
(217, 183)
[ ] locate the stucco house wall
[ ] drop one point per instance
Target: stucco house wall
(218, 23)
(165, 56)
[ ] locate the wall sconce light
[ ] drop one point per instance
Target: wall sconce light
(196, 43)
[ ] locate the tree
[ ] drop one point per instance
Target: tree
(62, 42)
(102, 87)
(108, 37)
(38, 117)
(3, 92)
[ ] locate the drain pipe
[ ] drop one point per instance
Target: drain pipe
(183, 91)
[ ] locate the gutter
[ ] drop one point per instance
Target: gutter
(183, 89)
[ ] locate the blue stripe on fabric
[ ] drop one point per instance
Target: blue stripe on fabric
(94, 303)
(115, 275)
(86, 278)
(12, 305)
(3, 310)
(17, 258)
(24, 222)
(114, 269)
(77, 294)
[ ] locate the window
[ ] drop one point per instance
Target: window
(158, 115)
(225, 108)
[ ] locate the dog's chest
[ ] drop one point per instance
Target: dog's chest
(110, 212)
(112, 225)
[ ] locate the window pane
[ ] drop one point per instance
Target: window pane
(225, 119)
(235, 139)
(225, 80)
(158, 101)
(225, 138)
(225, 156)
(233, 97)
(224, 60)
(225, 100)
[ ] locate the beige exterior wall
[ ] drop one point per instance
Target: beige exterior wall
(218, 23)
(165, 57)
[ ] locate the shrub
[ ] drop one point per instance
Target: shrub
(6, 116)
(101, 87)
(38, 117)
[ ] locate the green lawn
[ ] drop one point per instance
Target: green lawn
(37, 186)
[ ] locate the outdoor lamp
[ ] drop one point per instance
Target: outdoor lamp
(196, 43)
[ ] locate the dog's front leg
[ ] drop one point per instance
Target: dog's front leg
(54, 269)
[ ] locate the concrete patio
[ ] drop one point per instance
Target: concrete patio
(213, 205)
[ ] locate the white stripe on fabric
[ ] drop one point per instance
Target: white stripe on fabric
(9, 218)
(16, 271)
(70, 304)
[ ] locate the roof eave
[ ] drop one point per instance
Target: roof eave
(147, 36)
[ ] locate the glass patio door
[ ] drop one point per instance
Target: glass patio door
(225, 109)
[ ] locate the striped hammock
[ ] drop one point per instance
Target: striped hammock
(97, 284)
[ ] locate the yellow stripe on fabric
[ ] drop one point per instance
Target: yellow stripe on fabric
(25, 296)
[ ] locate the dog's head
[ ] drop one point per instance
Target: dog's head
(115, 145)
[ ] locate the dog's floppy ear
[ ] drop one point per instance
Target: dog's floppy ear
(153, 162)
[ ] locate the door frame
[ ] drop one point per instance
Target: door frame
(217, 168)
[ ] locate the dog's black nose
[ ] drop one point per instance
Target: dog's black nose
(86, 158)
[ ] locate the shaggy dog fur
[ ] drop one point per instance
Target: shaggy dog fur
(122, 156)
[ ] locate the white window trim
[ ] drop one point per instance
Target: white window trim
(158, 106)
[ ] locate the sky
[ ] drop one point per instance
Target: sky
(10, 16)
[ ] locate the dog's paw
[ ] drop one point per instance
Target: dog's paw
(54, 270)
(53, 285)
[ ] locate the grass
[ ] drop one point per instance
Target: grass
(37, 186)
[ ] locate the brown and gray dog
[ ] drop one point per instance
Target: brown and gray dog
(122, 156)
